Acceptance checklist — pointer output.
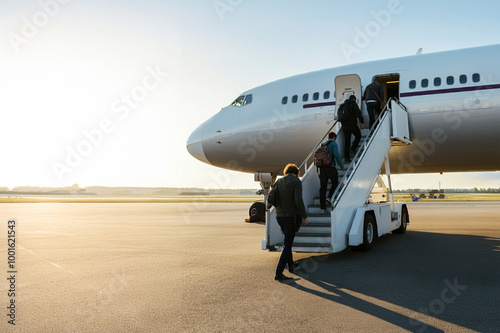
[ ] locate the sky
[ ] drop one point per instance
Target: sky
(107, 92)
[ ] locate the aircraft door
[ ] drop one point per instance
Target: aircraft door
(345, 86)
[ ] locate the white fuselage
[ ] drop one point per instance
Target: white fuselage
(454, 120)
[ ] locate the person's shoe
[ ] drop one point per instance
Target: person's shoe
(282, 278)
(323, 211)
(295, 265)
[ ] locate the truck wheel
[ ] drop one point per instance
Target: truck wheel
(257, 212)
(369, 233)
(404, 221)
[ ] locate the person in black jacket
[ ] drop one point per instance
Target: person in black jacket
(350, 127)
(374, 97)
(290, 211)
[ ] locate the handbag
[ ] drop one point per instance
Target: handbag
(272, 197)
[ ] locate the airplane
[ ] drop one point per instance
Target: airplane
(442, 114)
(452, 98)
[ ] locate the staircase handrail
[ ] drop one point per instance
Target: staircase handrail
(399, 103)
(339, 191)
(317, 145)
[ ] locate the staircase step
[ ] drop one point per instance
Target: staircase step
(310, 234)
(323, 220)
(316, 211)
(311, 248)
(304, 244)
(316, 203)
(319, 230)
(318, 241)
(318, 222)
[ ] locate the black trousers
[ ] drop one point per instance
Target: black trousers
(348, 131)
(373, 109)
(287, 225)
(324, 175)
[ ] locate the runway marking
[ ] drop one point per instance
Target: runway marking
(50, 262)
(58, 266)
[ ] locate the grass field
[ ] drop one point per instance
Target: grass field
(454, 197)
(217, 198)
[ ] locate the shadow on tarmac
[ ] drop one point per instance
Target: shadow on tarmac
(450, 277)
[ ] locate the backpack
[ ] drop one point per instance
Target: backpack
(343, 113)
(322, 157)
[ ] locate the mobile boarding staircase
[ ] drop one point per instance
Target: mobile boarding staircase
(353, 220)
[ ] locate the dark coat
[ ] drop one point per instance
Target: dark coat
(370, 95)
(290, 201)
(355, 112)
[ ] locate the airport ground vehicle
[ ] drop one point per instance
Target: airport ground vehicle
(362, 207)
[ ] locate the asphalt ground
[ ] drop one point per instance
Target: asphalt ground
(198, 267)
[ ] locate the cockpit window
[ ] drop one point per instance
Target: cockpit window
(248, 99)
(242, 100)
(238, 101)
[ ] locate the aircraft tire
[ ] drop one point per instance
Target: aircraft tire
(257, 212)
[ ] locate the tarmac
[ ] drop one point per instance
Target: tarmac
(198, 267)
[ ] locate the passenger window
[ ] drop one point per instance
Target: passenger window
(305, 98)
(326, 95)
(248, 99)
(425, 83)
(284, 100)
(450, 80)
(295, 98)
(437, 81)
(476, 77)
(463, 79)
(316, 96)
(238, 101)
(413, 84)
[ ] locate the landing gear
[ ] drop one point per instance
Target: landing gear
(257, 212)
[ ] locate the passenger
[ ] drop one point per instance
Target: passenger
(290, 211)
(329, 172)
(350, 127)
(374, 97)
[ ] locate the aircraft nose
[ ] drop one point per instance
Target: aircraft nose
(194, 145)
